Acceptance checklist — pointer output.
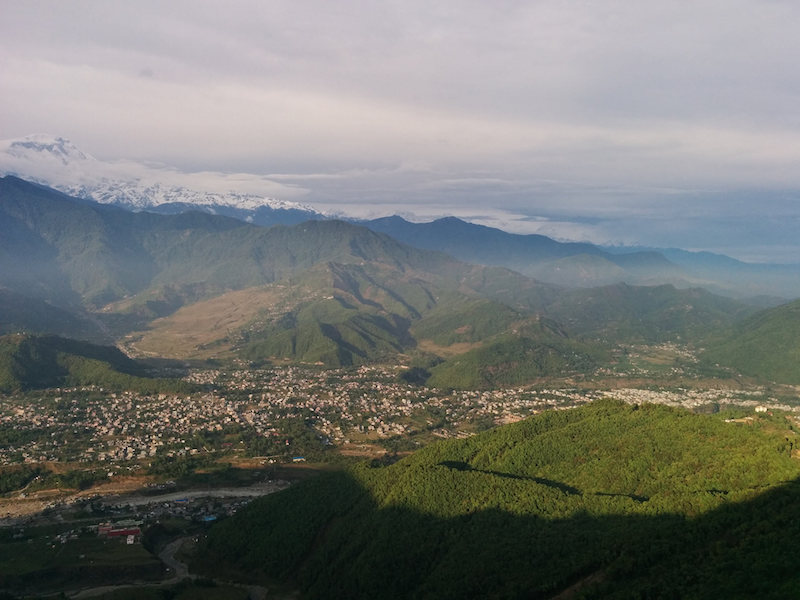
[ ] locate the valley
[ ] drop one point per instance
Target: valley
(279, 413)
(160, 373)
(399, 300)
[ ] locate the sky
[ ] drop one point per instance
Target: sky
(669, 124)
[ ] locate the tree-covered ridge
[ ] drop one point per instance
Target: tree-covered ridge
(20, 313)
(766, 345)
(341, 314)
(622, 498)
(35, 362)
(468, 321)
(516, 359)
(645, 313)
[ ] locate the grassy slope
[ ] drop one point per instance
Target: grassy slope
(632, 497)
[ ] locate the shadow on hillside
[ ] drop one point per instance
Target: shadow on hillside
(328, 537)
(557, 485)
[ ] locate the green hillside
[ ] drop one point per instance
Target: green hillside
(616, 500)
(766, 345)
(20, 313)
(514, 359)
(329, 332)
(468, 321)
(488, 327)
(647, 314)
(349, 314)
(35, 362)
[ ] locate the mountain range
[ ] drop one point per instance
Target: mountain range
(57, 163)
(122, 257)
(586, 265)
(199, 286)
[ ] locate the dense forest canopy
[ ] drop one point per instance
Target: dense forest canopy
(627, 496)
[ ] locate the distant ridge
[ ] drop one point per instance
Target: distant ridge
(56, 162)
(586, 265)
(563, 263)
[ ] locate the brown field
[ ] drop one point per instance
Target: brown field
(365, 450)
(36, 502)
(447, 351)
(200, 330)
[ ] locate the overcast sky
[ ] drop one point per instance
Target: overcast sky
(674, 123)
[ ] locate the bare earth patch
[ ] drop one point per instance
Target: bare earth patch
(199, 330)
(36, 502)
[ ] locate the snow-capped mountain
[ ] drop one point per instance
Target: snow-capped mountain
(56, 162)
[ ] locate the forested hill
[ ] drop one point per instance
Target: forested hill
(34, 362)
(766, 345)
(33, 315)
(618, 501)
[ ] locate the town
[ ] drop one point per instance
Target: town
(283, 414)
